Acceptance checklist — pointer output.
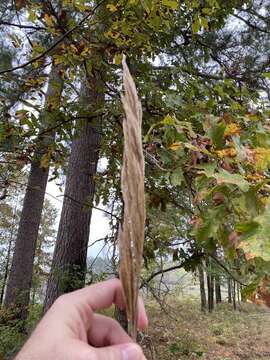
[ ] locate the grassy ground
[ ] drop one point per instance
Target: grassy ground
(186, 333)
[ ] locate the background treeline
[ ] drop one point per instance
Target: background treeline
(202, 69)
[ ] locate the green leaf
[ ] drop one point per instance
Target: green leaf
(206, 231)
(195, 4)
(16, 41)
(177, 177)
(248, 228)
(252, 201)
(224, 177)
(168, 120)
(258, 243)
(208, 169)
(216, 133)
(172, 4)
(249, 289)
(172, 100)
(267, 75)
(169, 135)
(111, 7)
(32, 15)
(196, 26)
(118, 59)
(207, 11)
(185, 125)
(220, 90)
(204, 22)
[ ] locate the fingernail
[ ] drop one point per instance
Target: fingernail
(131, 352)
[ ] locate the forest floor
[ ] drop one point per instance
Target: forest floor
(187, 333)
(180, 331)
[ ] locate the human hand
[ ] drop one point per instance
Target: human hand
(70, 330)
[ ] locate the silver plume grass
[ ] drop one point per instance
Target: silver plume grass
(131, 234)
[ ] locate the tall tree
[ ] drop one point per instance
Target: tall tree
(202, 287)
(210, 285)
(8, 226)
(43, 254)
(69, 260)
(229, 281)
(19, 283)
(217, 289)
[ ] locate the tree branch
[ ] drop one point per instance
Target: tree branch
(227, 270)
(68, 197)
(101, 239)
(90, 207)
(54, 45)
(30, 27)
(252, 26)
(163, 271)
(194, 72)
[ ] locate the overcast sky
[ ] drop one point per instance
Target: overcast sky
(99, 224)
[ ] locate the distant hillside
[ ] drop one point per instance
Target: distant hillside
(98, 265)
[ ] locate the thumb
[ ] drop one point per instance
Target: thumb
(128, 351)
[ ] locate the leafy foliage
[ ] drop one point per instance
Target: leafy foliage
(202, 72)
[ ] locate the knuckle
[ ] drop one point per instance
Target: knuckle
(114, 324)
(62, 300)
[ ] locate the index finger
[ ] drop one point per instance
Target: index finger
(102, 295)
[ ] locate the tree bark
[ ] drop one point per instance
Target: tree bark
(6, 270)
(35, 286)
(234, 294)
(19, 283)
(202, 288)
(210, 287)
(217, 289)
(241, 296)
(69, 260)
(238, 294)
(229, 291)
(121, 317)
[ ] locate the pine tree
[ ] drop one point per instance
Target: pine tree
(19, 282)
(69, 260)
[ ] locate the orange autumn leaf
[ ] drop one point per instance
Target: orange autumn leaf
(230, 152)
(232, 129)
(255, 177)
(19, 4)
(261, 157)
(175, 146)
(49, 20)
(264, 200)
(249, 255)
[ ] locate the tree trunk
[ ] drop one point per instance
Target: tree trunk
(229, 291)
(19, 283)
(10, 249)
(210, 287)
(238, 294)
(217, 289)
(69, 260)
(234, 294)
(121, 317)
(202, 288)
(241, 296)
(35, 275)
(6, 270)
